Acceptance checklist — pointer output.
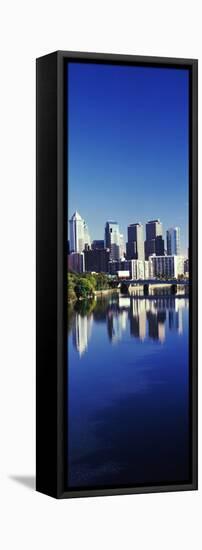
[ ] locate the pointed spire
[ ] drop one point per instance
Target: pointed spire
(76, 216)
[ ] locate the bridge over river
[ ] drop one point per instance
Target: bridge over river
(129, 286)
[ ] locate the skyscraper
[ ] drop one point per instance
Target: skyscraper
(87, 241)
(98, 244)
(173, 241)
(154, 229)
(79, 235)
(112, 239)
(97, 260)
(159, 246)
(76, 225)
(122, 248)
(135, 244)
(75, 262)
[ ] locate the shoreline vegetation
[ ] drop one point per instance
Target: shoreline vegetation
(88, 285)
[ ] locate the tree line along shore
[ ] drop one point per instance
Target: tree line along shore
(87, 285)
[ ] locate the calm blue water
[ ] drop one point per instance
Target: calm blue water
(128, 417)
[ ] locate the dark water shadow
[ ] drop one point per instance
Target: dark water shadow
(135, 446)
(28, 481)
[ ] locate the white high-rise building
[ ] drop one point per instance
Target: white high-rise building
(87, 241)
(173, 241)
(79, 235)
(186, 267)
(122, 248)
(76, 225)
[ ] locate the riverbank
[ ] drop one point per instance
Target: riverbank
(106, 291)
(96, 293)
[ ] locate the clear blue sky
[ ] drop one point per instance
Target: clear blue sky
(128, 146)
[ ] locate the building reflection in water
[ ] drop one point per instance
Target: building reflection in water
(156, 325)
(138, 319)
(175, 320)
(116, 324)
(81, 332)
(143, 317)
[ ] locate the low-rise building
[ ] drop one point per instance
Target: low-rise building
(118, 265)
(167, 266)
(147, 269)
(123, 274)
(137, 269)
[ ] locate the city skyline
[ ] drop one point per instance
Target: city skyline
(141, 257)
(128, 155)
(165, 231)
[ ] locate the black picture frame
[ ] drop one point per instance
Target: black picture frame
(51, 260)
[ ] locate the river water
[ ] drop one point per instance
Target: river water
(128, 391)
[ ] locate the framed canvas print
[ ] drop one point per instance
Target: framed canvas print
(116, 382)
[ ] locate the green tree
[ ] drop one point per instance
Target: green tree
(102, 281)
(91, 277)
(71, 296)
(84, 288)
